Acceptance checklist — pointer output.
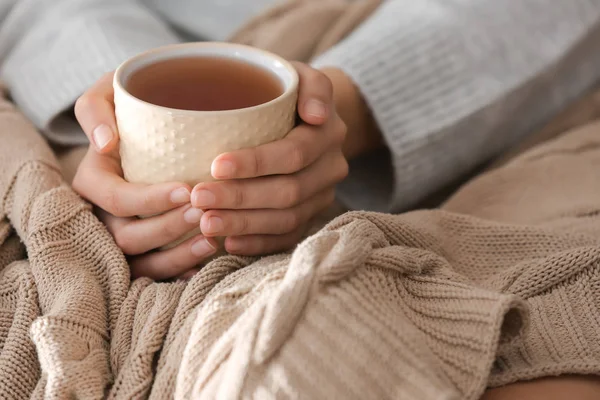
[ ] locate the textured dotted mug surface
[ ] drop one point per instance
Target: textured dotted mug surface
(159, 144)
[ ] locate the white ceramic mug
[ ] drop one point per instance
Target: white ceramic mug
(160, 144)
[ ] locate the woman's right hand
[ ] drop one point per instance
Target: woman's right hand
(99, 179)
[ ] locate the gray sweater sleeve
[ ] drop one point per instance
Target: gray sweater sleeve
(53, 50)
(451, 83)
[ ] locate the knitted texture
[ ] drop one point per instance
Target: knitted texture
(444, 79)
(500, 285)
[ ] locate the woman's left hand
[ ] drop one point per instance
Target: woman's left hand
(265, 196)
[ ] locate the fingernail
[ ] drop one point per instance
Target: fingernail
(193, 215)
(202, 248)
(102, 136)
(203, 198)
(180, 196)
(221, 169)
(211, 225)
(315, 108)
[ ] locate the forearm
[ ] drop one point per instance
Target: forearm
(54, 50)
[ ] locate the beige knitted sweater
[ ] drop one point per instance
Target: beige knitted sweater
(501, 284)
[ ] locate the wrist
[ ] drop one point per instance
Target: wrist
(363, 133)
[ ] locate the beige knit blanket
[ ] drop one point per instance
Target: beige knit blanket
(501, 284)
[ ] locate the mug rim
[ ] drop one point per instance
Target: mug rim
(119, 85)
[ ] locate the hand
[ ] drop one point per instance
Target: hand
(265, 196)
(99, 179)
(308, 162)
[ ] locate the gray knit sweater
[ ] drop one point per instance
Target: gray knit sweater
(450, 82)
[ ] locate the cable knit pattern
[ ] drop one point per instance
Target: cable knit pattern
(498, 286)
(445, 80)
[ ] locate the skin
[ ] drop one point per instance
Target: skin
(307, 163)
(305, 166)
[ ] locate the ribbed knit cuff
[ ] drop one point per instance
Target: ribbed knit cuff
(57, 63)
(563, 332)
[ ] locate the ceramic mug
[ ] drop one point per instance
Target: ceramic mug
(160, 144)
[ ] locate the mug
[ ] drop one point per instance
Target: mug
(161, 144)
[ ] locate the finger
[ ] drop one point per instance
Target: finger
(315, 95)
(273, 222)
(280, 191)
(300, 148)
(95, 112)
(136, 236)
(170, 263)
(111, 222)
(255, 245)
(97, 181)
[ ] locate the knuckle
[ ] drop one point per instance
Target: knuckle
(170, 231)
(325, 83)
(341, 130)
(258, 162)
(82, 105)
(291, 193)
(239, 197)
(342, 168)
(124, 241)
(172, 225)
(296, 157)
(146, 202)
(310, 73)
(319, 78)
(245, 225)
(111, 202)
(316, 78)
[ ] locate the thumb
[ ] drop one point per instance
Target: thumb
(315, 95)
(95, 112)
